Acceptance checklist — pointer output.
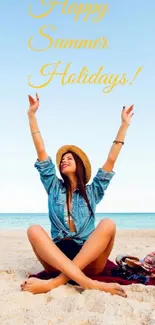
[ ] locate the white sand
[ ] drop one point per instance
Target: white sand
(68, 305)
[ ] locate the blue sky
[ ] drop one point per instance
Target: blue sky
(78, 114)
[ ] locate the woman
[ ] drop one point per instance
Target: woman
(76, 248)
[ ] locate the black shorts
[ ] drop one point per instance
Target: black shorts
(69, 247)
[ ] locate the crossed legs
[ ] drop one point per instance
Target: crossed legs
(91, 259)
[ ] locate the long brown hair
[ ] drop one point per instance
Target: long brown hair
(81, 180)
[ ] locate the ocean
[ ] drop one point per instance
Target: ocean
(11, 221)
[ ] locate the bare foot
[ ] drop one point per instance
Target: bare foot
(113, 288)
(35, 286)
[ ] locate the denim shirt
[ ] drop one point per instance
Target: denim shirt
(84, 222)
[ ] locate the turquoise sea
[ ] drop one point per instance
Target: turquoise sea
(123, 220)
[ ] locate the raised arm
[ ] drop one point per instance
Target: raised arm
(104, 175)
(119, 140)
(44, 163)
(37, 139)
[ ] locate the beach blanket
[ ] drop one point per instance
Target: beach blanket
(109, 274)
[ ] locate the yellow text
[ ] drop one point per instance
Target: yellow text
(76, 9)
(52, 70)
(99, 43)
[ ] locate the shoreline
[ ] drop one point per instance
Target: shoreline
(118, 230)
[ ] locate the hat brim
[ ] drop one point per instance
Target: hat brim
(80, 153)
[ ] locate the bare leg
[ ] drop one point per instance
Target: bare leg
(96, 266)
(46, 266)
(53, 256)
(94, 253)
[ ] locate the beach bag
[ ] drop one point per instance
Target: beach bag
(133, 268)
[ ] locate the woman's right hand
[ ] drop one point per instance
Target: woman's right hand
(34, 104)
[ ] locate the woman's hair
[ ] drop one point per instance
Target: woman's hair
(81, 180)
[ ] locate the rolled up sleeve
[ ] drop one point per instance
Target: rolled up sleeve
(100, 183)
(46, 169)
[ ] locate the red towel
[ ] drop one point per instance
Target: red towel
(104, 276)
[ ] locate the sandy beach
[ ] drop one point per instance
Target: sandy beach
(69, 305)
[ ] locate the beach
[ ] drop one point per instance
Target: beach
(71, 305)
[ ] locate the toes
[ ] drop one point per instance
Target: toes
(124, 295)
(23, 283)
(26, 288)
(121, 291)
(29, 289)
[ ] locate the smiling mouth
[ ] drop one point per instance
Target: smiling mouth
(64, 166)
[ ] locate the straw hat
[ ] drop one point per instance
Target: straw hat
(80, 153)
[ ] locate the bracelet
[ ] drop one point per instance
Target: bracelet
(118, 142)
(36, 132)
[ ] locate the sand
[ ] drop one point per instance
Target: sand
(69, 305)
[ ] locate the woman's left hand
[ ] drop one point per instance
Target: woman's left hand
(127, 115)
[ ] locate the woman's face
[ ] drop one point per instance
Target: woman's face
(68, 164)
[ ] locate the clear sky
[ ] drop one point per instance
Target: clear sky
(82, 115)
